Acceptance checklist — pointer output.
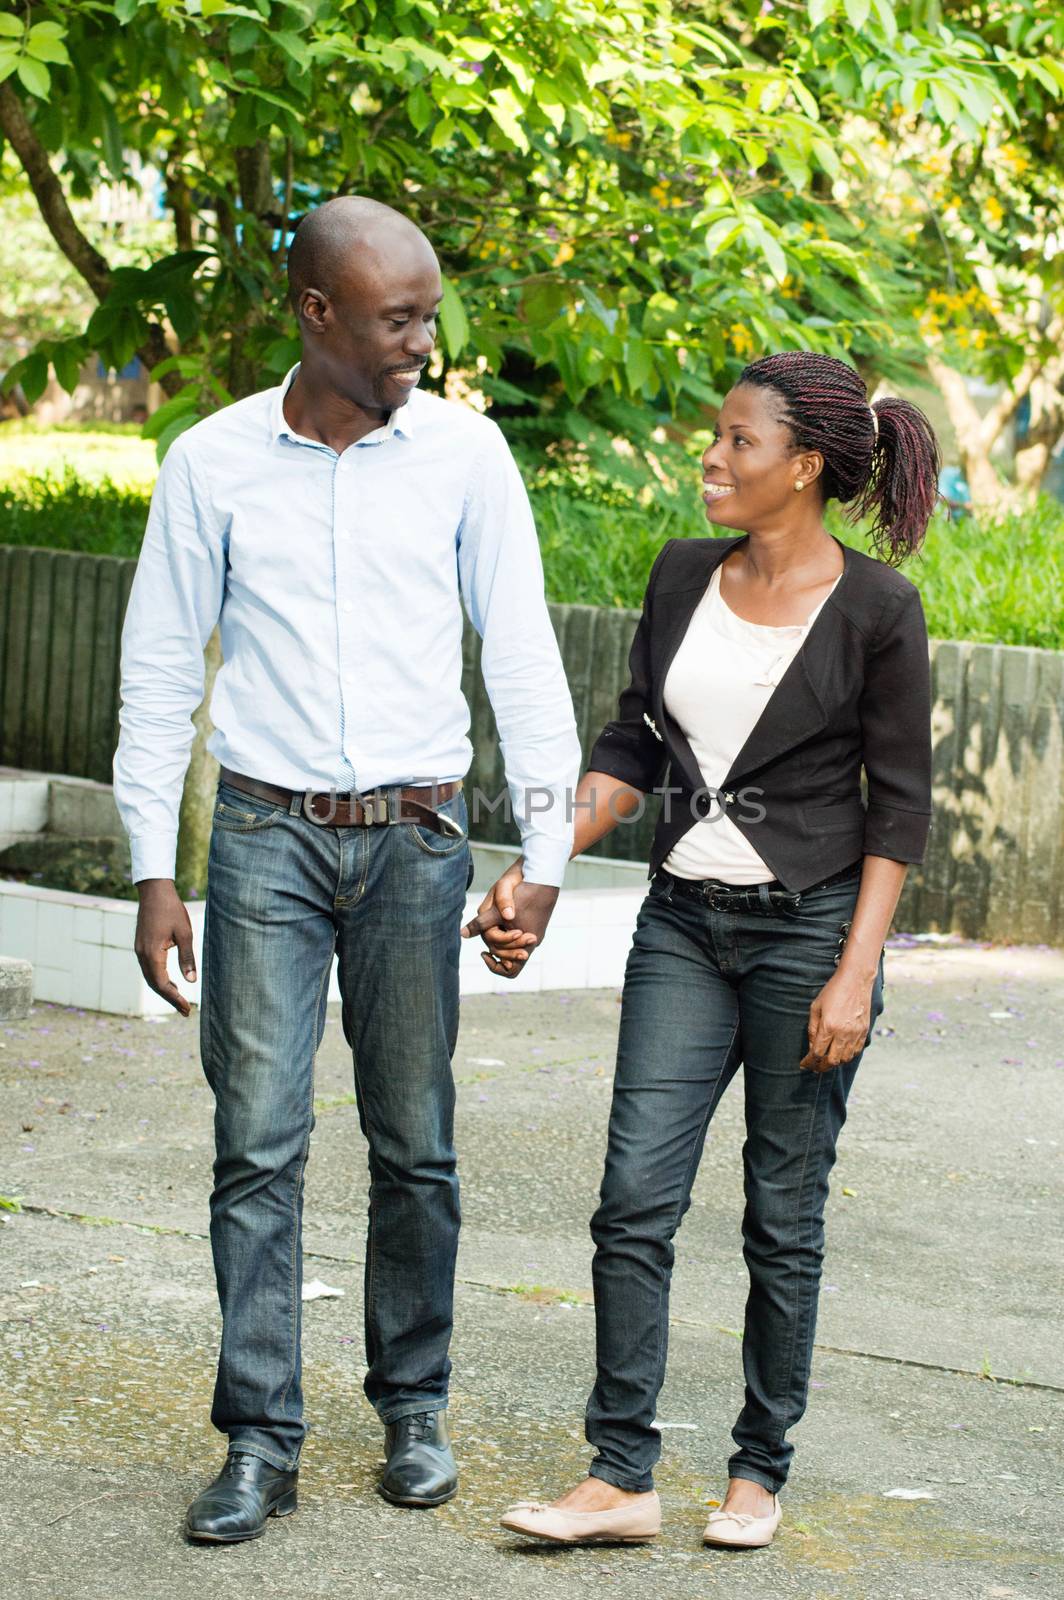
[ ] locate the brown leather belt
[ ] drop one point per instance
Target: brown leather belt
(376, 809)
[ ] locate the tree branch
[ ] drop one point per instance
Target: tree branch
(48, 191)
(54, 208)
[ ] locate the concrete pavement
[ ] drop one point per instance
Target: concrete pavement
(939, 1368)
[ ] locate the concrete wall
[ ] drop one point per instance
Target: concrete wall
(994, 865)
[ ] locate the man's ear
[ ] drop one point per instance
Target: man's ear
(313, 310)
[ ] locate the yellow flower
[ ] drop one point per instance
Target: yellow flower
(741, 340)
(994, 210)
(564, 253)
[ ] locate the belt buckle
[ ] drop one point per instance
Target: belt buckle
(309, 812)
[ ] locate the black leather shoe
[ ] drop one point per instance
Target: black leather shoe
(236, 1505)
(420, 1470)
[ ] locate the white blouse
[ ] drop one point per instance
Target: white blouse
(720, 681)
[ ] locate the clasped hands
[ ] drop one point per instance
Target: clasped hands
(513, 917)
(512, 921)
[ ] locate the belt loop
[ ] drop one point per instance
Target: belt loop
(764, 897)
(295, 805)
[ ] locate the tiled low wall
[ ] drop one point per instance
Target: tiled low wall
(995, 863)
(81, 947)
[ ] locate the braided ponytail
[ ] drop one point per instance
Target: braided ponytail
(880, 461)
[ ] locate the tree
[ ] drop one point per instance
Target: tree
(983, 216)
(629, 197)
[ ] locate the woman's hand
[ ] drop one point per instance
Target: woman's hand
(839, 1019)
(508, 947)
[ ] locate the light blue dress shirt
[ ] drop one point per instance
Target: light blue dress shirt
(337, 582)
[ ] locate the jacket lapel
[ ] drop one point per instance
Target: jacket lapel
(794, 712)
(673, 610)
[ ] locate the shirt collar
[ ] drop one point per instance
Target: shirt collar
(399, 421)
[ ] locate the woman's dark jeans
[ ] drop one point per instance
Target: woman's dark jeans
(283, 896)
(704, 991)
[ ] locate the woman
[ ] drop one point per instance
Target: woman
(767, 671)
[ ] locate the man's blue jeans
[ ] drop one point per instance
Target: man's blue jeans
(283, 894)
(705, 991)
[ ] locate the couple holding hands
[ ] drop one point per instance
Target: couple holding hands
(333, 528)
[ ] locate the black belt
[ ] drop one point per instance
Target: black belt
(413, 803)
(716, 895)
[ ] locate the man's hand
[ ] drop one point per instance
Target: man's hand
(162, 923)
(839, 1019)
(512, 920)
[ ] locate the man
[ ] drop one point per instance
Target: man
(332, 527)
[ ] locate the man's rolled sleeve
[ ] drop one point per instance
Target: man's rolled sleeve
(173, 606)
(502, 585)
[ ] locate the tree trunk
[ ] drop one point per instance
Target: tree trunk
(1044, 430)
(197, 798)
(976, 436)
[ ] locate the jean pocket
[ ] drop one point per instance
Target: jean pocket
(445, 845)
(237, 812)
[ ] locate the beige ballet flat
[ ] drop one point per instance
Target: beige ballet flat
(633, 1523)
(735, 1530)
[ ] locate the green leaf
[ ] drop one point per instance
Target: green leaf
(172, 431)
(805, 99)
(67, 359)
(34, 77)
(820, 11)
(770, 248)
(473, 49)
(638, 363)
(442, 134)
(43, 44)
(282, 355)
(10, 26)
(292, 45)
(32, 373)
(184, 315)
(186, 400)
(946, 103)
(419, 108)
(125, 11)
(9, 60)
(506, 110)
(722, 233)
(857, 13)
(794, 166)
(454, 324)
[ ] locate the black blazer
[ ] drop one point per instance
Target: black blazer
(857, 695)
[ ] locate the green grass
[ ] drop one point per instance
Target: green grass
(106, 451)
(1000, 581)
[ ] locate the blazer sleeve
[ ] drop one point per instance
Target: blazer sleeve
(628, 748)
(895, 713)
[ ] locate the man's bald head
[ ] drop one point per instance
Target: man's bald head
(366, 287)
(343, 234)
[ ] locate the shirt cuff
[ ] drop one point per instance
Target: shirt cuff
(153, 855)
(544, 860)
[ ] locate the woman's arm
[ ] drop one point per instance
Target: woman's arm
(840, 1015)
(601, 802)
